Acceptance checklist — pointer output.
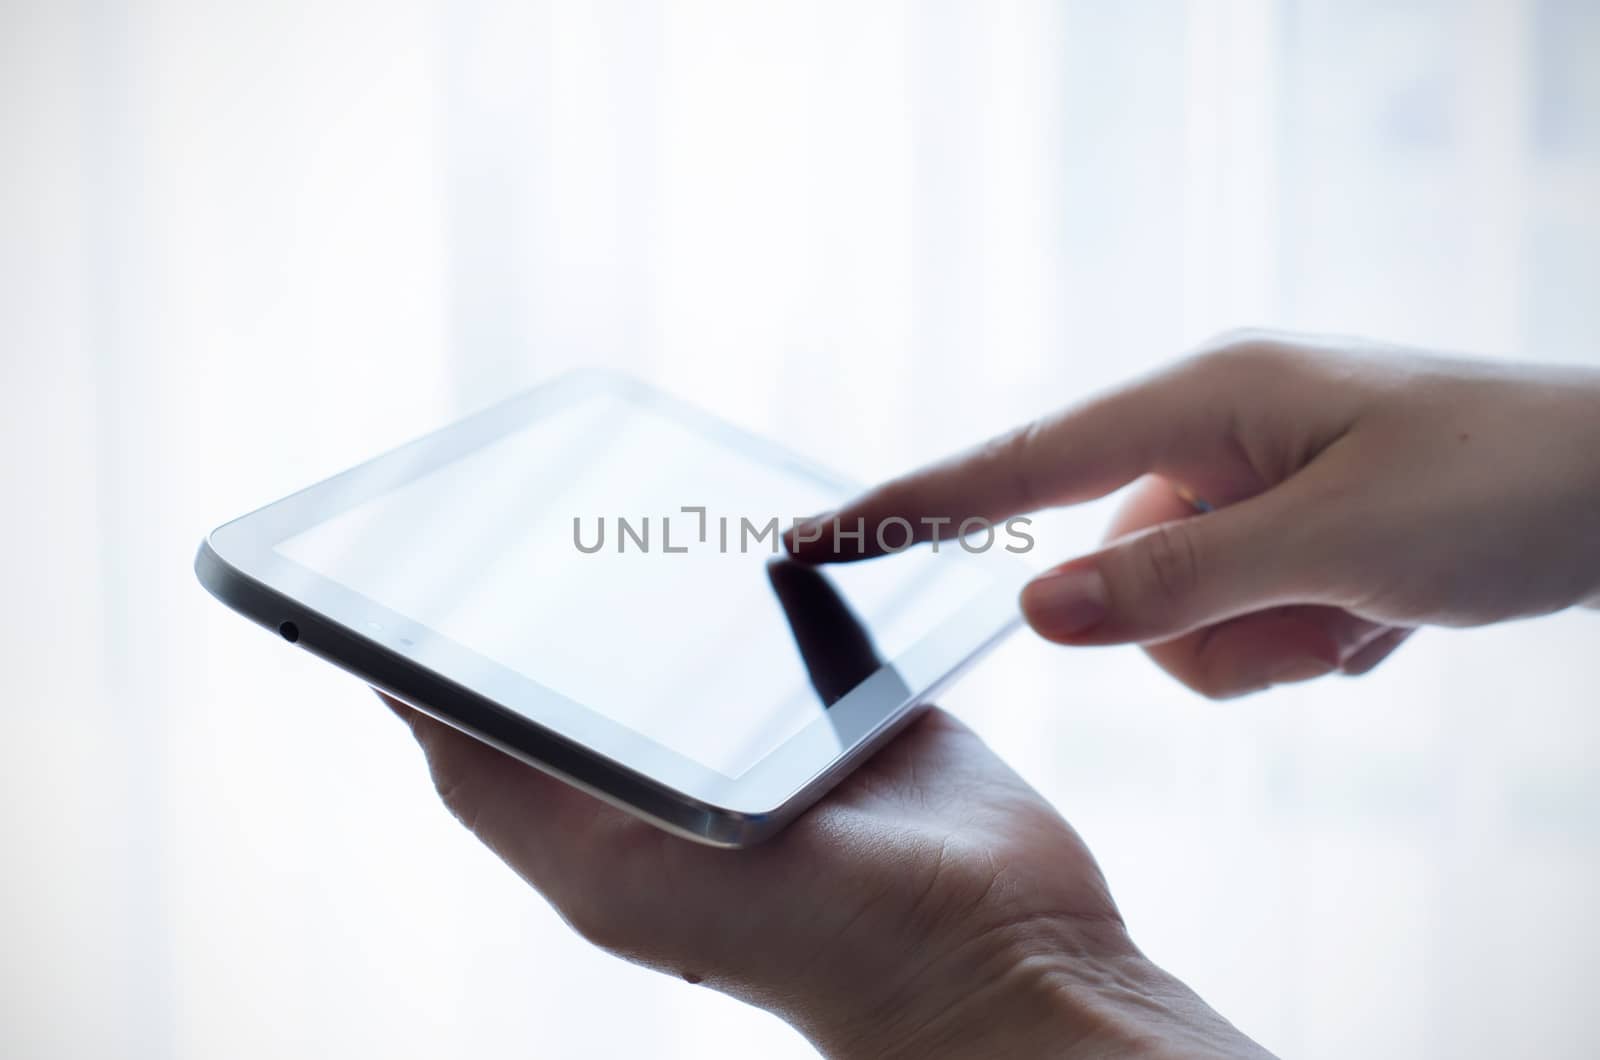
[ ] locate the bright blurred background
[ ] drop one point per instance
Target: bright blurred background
(244, 245)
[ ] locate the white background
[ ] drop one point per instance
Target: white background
(244, 245)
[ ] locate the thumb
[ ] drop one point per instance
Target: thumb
(1176, 577)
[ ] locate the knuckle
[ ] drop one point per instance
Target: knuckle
(456, 792)
(1243, 352)
(609, 905)
(1197, 670)
(1214, 686)
(587, 917)
(589, 923)
(1008, 458)
(1011, 456)
(1171, 565)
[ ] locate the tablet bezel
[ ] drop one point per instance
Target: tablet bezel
(239, 562)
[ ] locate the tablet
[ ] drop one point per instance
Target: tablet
(590, 577)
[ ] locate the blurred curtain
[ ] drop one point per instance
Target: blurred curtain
(244, 245)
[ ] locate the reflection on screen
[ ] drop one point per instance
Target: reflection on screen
(690, 649)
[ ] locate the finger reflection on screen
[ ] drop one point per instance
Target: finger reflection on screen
(834, 644)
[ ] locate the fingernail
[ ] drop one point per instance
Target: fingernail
(1300, 669)
(1066, 602)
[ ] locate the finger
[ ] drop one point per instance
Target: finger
(1369, 657)
(1254, 651)
(1257, 651)
(1174, 577)
(475, 779)
(1177, 422)
(536, 823)
(1150, 501)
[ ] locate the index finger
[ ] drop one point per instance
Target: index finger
(1174, 423)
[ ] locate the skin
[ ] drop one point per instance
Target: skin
(1360, 491)
(933, 904)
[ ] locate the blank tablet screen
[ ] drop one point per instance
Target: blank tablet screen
(518, 552)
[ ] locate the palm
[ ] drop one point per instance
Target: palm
(934, 831)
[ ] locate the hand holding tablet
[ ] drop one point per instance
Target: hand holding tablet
(582, 578)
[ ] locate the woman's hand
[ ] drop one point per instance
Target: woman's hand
(1303, 505)
(932, 905)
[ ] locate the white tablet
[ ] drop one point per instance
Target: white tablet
(590, 577)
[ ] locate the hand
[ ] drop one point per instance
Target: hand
(1356, 491)
(932, 905)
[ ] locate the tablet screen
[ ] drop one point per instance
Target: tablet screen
(621, 556)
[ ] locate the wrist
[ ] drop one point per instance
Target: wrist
(1044, 987)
